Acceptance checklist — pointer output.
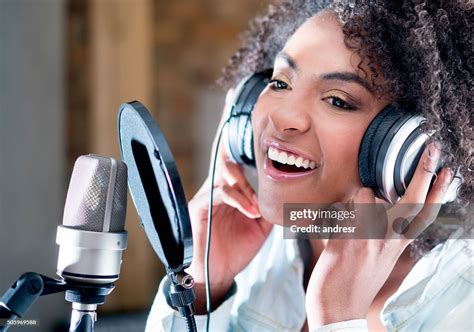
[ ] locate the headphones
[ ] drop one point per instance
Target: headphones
(388, 155)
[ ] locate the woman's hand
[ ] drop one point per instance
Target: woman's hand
(237, 233)
(350, 272)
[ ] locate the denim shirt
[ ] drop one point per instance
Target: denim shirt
(436, 295)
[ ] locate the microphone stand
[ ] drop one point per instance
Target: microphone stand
(23, 293)
(18, 299)
(85, 299)
(180, 295)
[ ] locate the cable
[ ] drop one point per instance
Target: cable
(209, 225)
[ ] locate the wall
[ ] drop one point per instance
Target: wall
(32, 174)
(193, 41)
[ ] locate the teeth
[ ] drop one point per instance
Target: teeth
(282, 157)
(273, 154)
(306, 163)
(290, 159)
(299, 161)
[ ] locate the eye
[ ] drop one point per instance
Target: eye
(276, 84)
(339, 103)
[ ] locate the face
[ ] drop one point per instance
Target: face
(309, 121)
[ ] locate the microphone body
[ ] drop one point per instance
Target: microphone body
(92, 237)
(90, 257)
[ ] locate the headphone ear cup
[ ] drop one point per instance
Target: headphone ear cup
(399, 157)
(389, 152)
(239, 135)
(371, 145)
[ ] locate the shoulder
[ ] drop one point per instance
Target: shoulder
(454, 258)
(437, 291)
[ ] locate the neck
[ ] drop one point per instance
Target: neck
(317, 247)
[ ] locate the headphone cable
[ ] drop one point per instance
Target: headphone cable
(209, 226)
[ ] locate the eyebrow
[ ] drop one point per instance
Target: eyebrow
(336, 76)
(347, 77)
(288, 59)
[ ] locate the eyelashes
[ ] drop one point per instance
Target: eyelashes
(276, 84)
(339, 103)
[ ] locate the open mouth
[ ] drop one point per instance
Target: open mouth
(287, 168)
(290, 163)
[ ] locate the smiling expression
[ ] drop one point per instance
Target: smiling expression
(309, 121)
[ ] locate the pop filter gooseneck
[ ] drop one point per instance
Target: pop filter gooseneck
(159, 198)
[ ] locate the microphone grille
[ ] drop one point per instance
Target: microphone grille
(97, 196)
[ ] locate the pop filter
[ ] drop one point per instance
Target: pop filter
(155, 186)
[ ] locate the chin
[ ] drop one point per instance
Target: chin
(270, 205)
(271, 202)
(272, 199)
(271, 208)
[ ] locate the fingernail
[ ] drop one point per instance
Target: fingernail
(255, 198)
(433, 151)
(256, 212)
(449, 175)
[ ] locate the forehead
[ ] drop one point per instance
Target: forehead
(319, 43)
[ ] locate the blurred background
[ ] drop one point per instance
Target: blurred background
(65, 67)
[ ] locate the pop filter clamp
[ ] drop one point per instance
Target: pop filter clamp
(158, 195)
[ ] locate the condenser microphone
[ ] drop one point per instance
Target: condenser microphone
(92, 237)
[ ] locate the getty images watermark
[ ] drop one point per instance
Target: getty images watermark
(312, 218)
(372, 221)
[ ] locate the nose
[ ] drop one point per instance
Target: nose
(290, 119)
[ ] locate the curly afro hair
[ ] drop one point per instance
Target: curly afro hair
(424, 50)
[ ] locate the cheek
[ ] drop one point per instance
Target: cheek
(340, 148)
(259, 122)
(258, 114)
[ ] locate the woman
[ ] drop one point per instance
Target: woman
(335, 66)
